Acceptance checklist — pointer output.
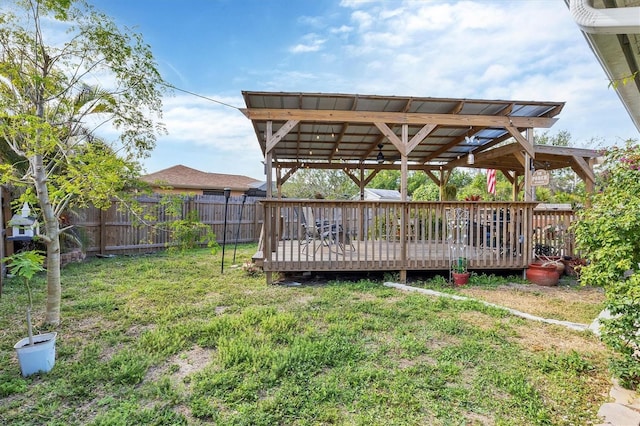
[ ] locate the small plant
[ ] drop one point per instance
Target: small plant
(190, 233)
(26, 264)
(251, 269)
(472, 197)
(459, 266)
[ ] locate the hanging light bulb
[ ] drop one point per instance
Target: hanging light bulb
(471, 159)
(380, 156)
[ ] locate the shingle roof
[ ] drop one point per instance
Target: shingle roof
(185, 177)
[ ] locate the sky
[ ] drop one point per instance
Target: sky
(501, 50)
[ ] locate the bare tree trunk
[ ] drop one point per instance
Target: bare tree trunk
(52, 239)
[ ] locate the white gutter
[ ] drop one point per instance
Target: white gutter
(621, 20)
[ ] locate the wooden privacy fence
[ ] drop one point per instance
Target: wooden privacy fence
(119, 230)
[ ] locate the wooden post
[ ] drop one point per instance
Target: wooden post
(2, 237)
(103, 231)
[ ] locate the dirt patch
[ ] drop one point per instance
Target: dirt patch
(191, 361)
(556, 338)
(566, 303)
(182, 364)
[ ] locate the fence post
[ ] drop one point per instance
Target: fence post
(103, 232)
(2, 237)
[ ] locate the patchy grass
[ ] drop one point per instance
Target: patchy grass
(163, 339)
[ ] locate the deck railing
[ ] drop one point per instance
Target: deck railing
(552, 231)
(321, 235)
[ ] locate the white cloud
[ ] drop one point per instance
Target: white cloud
(310, 43)
(201, 122)
(342, 29)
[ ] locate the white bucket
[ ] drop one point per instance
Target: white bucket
(38, 357)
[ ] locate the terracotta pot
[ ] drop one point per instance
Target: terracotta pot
(543, 275)
(557, 262)
(460, 278)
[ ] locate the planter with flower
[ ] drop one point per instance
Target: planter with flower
(36, 353)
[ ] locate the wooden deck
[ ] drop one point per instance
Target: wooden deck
(380, 255)
(320, 235)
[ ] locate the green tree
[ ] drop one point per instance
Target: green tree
(429, 191)
(386, 179)
(330, 184)
(607, 232)
(50, 110)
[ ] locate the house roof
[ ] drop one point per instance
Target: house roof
(617, 50)
(383, 194)
(185, 177)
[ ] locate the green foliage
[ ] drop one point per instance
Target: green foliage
(331, 184)
(189, 233)
(386, 179)
(429, 191)
(607, 233)
(627, 79)
(450, 192)
(25, 264)
(566, 363)
(50, 112)
(11, 385)
(459, 266)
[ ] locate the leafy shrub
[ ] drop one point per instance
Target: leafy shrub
(607, 232)
(189, 233)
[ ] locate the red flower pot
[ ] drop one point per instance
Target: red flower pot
(546, 275)
(460, 278)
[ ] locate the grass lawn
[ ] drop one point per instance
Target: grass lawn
(166, 339)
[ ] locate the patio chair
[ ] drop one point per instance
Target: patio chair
(329, 234)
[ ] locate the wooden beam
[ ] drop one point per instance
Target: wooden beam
(565, 150)
(528, 146)
(289, 173)
(370, 177)
(492, 154)
(586, 170)
(352, 177)
(521, 159)
(420, 136)
(433, 177)
(276, 114)
(395, 140)
(282, 132)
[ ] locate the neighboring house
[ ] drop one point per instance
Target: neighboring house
(181, 179)
(373, 194)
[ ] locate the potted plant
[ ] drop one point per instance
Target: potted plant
(35, 353)
(459, 271)
(543, 273)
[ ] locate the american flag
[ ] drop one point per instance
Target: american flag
(491, 181)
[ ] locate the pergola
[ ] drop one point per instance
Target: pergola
(363, 134)
(435, 135)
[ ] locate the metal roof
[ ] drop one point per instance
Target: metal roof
(348, 129)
